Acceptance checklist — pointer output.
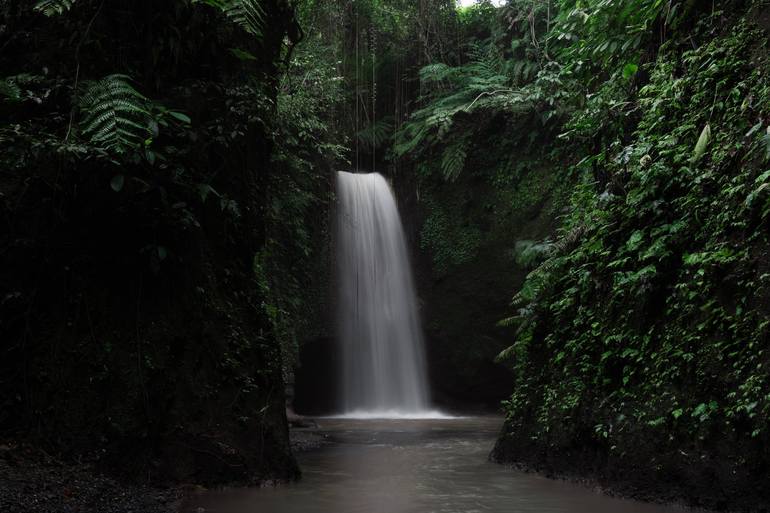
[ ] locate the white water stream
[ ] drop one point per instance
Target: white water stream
(383, 355)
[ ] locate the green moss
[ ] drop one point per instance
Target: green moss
(449, 237)
(655, 316)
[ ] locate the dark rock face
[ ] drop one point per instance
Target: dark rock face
(654, 472)
(463, 237)
(130, 322)
(33, 481)
(169, 366)
(317, 377)
(460, 309)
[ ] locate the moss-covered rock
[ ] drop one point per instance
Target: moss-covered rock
(132, 324)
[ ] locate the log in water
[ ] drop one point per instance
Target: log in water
(380, 336)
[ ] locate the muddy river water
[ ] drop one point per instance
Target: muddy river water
(412, 466)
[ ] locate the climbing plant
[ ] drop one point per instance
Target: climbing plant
(648, 311)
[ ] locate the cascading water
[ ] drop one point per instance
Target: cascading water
(379, 328)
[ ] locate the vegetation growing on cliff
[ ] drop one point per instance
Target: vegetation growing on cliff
(148, 157)
(644, 317)
(166, 185)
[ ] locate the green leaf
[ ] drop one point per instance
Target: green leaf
(629, 70)
(53, 7)
(377, 134)
(249, 14)
(635, 240)
(116, 116)
(117, 182)
(204, 190)
(453, 160)
(766, 142)
(10, 90)
(242, 54)
(699, 410)
(702, 144)
(180, 117)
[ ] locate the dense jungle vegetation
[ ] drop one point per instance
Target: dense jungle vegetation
(586, 185)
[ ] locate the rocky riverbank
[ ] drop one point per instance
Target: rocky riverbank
(33, 481)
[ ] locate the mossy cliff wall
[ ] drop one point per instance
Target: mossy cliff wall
(465, 236)
(132, 324)
(642, 357)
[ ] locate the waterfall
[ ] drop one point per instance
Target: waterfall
(381, 340)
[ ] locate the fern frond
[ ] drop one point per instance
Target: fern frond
(116, 115)
(453, 160)
(10, 90)
(508, 353)
(54, 7)
(505, 355)
(410, 138)
(569, 240)
(509, 322)
(487, 64)
(249, 14)
(518, 300)
(377, 134)
(435, 72)
(451, 90)
(538, 281)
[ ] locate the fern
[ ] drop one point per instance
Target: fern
(525, 321)
(116, 116)
(54, 7)
(249, 14)
(16, 88)
(409, 138)
(10, 90)
(537, 282)
(377, 134)
(483, 83)
(453, 160)
(487, 66)
(506, 354)
(436, 73)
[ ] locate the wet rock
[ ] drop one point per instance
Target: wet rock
(31, 480)
(303, 440)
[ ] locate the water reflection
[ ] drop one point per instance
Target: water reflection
(413, 466)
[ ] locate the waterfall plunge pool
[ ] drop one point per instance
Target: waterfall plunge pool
(412, 466)
(394, 415)
(390, 452)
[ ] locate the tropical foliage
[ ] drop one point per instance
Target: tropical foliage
(644, 316)
(655, 280)
(602, 162)
(138, 157)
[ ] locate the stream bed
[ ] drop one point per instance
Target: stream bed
(412, 466)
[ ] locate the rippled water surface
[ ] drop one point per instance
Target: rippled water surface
(414, 466)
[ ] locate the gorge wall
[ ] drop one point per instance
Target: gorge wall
(132, 324)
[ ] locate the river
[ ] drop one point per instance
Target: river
(412, 466)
